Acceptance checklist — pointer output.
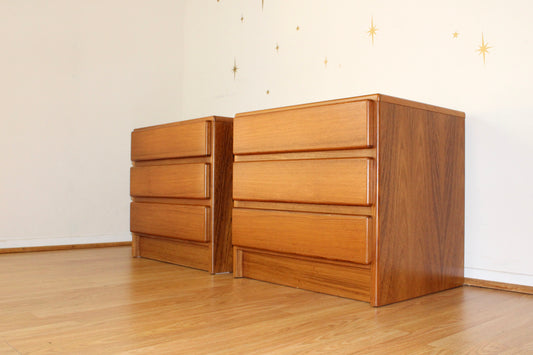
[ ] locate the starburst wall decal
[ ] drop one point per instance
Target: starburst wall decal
(372, 30)
(483, 48)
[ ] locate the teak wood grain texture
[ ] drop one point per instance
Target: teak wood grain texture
(181, 180)
(181, 210)
(326, 181)
(222, 176)
(349, 125)
(421, 203)
(102, 301)
(413, 184)
(311, 234)
(188, 139)
(346, 280)
(168, 220)
(195, 255)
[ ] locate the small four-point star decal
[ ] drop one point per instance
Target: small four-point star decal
(235, 68)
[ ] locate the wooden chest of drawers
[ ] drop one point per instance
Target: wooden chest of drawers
(360, 197)
(181, 193)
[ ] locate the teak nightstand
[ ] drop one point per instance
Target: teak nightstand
(360, 197)
(180, 185)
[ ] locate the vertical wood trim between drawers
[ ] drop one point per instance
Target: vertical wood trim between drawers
(375, 235)
(208, 137)
(207, 182)
(370, 123)
(135, 245)
(212, 180)
(237, 262)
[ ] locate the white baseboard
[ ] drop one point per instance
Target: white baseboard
(499, 276)
(47, 241)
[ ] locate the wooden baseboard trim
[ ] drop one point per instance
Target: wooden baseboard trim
(63, 247)
(499, 286)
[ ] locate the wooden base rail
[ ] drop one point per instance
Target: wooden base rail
(502, 286)
(63, 247)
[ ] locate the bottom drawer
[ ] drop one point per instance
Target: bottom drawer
(174, 221)
(337, 237)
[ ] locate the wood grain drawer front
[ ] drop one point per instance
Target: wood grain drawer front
(185, 140)
(183, 180)
(175, 221)
(346, 125)
(316, 275)
(328, 181)
(312, 234)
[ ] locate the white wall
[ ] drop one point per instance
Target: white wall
(75, 78)
(78, 76)
(414, 56)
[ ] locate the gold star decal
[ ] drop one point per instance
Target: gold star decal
(484, 48)
(277, 48)
(242, 18)
(297, 28)
(372, 30)
(235, 68)
(455, 34)
(268, 92)
(326, 62)
(262, 5)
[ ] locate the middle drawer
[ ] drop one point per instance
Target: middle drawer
(326, 181)
(182, 180)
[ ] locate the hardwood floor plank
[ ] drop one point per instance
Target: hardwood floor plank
(103, 301)
(7, 349)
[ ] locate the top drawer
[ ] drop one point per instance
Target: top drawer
(176, 141)
(333, 126)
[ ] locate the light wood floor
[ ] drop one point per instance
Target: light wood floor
(101, 301)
